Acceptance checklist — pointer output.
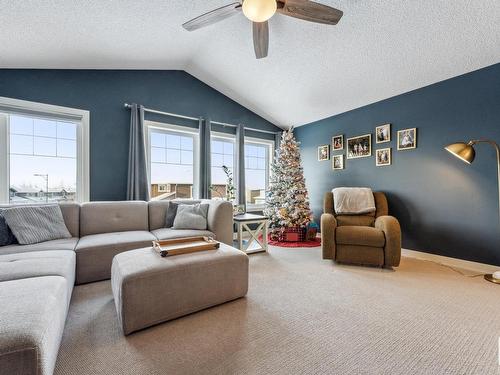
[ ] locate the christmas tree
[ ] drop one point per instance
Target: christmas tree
(287, 201)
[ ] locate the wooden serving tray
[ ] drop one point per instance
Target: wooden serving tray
(186, 245)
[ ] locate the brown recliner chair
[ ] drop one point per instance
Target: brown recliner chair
(370, 239)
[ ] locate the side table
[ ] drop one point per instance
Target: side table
(242, 224)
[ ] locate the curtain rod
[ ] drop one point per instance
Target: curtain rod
(197, 118)
(246, 127)
(165, 113)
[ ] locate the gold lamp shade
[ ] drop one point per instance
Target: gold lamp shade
(463, 151)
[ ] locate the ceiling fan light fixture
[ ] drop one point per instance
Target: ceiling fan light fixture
(259, 10)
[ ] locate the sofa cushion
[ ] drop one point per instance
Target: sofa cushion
(33, 314)
(169, 233)
(108, 217)
(363, 236)
(34, 224)
(64, 244)
(94, 253)
(157, 214)
(39, 263)
(71, 215)
(361, 220)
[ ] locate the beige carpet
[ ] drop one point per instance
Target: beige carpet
(303, 315)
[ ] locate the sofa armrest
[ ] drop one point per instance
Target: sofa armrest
(392, 232)
(328, 226)
(220, 220)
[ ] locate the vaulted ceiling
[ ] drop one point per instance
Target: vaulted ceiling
(379, 49)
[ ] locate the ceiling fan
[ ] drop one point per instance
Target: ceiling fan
(260, 11)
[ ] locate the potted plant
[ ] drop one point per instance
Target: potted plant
(230, 195)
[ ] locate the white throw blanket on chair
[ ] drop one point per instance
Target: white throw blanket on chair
(353, 201)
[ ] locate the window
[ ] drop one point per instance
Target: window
(172, 154)
(164, 188)
(44, 153)
(257, 161)
(173, 163)
(222, 150)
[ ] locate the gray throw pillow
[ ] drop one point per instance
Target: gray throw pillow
(6, 236)
(34, 224)
(192, 216)
(171, 212)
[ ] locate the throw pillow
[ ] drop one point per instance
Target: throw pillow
(192, 216)
(171, 212)
(6, 236)
(34, 224)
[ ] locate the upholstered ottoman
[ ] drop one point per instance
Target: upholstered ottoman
(149, 289)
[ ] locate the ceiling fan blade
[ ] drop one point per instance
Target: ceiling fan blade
(309, 11)
(260, 39)
(212, 17)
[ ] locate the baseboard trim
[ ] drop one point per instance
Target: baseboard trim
(448, 261)
(451, 262)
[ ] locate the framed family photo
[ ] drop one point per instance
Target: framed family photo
(407, 139)
(383, 157)
(337, 162)
(383, 133)
(324, 152)
(338, 142)
(359, 147)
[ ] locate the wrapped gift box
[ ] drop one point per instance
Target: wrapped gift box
(293, 234)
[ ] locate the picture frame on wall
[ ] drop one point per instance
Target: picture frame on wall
(383, 157)
(383, 133)
(359, 147)
(338, 142)
(323, 152)
(407, 139)
(338, 162)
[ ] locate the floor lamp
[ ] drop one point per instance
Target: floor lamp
(465, 152)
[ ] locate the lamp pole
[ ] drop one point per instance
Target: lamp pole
(494, 278)
(497, 148)
(46, 177)
(465, 152)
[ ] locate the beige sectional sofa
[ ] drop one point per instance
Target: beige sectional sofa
(36, 281)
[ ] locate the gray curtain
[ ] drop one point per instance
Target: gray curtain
(205, 156)
(137, 182)
(240, 152)
(277, 141)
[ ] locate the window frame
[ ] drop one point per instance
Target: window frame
(175, 130)
(224, 137)
(53, 112)
(270, 152)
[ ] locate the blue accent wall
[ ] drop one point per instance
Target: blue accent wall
(103, 93)
(445, 206)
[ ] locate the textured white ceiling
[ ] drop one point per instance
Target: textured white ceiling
(379, 49)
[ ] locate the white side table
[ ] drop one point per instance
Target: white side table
(242, 224)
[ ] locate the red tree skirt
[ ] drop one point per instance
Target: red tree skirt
(316, 242)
